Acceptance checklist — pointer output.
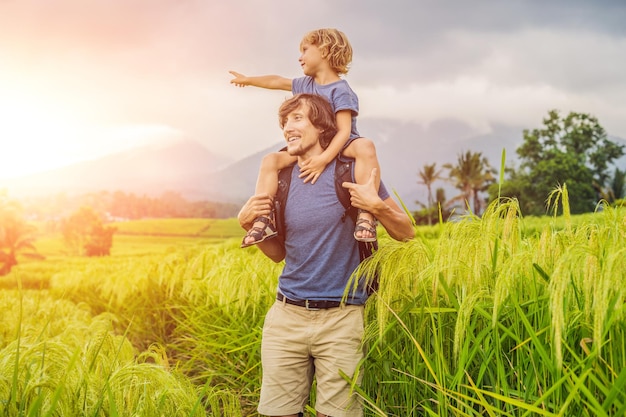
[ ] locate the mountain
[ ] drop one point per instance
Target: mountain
(197, 174)
(402, 149)
(176, 166)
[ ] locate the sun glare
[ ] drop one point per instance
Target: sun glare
(38, 137)
(37, 134)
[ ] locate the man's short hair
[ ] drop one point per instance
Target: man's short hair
(320, 113)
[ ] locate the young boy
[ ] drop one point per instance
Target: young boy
(325, 56)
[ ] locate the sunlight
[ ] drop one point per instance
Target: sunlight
(36, 134)
(43, 129)
(128, 136)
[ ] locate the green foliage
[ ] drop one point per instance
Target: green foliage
(85, 234)
(472, 175)
(121, 205)
(213, 228)
(16, 235)
(63, 361)
(572, 150)
(489, 320)
(500, 315)
(440, 211)
(617, 187)
(428, 175)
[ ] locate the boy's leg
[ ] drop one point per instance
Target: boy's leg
(267, 183)
(267, 180)
(363, 151)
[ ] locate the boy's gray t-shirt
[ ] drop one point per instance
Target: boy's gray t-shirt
(339, 94)
(321, 252)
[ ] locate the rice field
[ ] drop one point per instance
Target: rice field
(492, 316)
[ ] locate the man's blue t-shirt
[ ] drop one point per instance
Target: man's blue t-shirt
(321, 252)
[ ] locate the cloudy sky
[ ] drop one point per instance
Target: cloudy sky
(83, 78)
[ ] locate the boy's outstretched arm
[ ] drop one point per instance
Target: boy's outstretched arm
(272, 82)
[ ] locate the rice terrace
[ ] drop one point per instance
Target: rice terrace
(502, 315)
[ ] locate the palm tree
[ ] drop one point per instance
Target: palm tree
(16, 236)
(428, 175)
(472, 174)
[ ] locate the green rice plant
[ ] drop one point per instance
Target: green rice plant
(499, 315)
(213, 228)
(490, 320)
(219, 323)
(84, 369)
(205, 305)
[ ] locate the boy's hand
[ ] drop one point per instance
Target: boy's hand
(239, 80)
(313, 168)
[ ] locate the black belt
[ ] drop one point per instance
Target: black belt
(310, 304)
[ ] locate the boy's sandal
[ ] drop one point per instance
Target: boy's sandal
(370, 226)
(260, 233)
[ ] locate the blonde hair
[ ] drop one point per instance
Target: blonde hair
(334, 46)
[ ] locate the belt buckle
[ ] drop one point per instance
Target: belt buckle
(306, 305)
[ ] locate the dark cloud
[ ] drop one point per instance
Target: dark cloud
(159, 61)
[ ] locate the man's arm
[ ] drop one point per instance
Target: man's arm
(261, 205)
(387, 212)
(272, 82)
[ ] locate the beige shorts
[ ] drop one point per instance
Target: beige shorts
(299, 344)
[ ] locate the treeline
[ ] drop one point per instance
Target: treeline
(120, 205)
(570, 153)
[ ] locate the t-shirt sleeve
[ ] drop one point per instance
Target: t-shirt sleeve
(298, 85)
(344, 99)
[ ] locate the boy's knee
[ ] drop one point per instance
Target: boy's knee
(270, 160)
(364, 146)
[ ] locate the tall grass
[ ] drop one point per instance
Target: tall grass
(484, 321)
(204, 306)
(73, 364)
(500, 315)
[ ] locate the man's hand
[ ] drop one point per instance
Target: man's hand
(364, 196)
(257, 205)
(313, 168)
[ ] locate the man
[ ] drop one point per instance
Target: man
(315, 329)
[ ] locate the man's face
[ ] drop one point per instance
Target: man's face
(299, 132)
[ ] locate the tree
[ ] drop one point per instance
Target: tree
(616, 189)
(472, 174)
(573, 150)
(440, 208)
(428, 175)
(84, 233)
(16, 236)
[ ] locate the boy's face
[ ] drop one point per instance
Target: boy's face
(310, 59)
(299, 132)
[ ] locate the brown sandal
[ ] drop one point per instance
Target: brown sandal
(260, 233)
(365, 225)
